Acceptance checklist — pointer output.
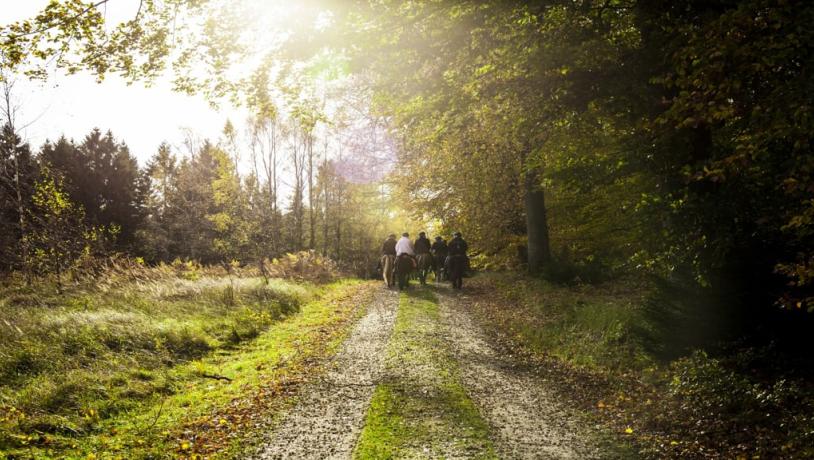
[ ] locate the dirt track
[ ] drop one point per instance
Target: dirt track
(525, 419)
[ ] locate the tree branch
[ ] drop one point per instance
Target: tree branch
(63, 22)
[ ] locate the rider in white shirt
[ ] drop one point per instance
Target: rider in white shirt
(404, 245)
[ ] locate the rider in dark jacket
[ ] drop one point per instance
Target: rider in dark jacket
(439, 251)
(422, 244)
(439, 248)
(389, 246)
(457, 246)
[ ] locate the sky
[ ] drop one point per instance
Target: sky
(139, 116)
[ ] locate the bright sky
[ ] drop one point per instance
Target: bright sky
(141, 117)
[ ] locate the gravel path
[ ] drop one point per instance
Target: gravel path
(526, 419)
(326, 421)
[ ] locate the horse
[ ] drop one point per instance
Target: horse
(388, 264)
(424, 266)
(404, 265)
(456, 266)
(439, 267)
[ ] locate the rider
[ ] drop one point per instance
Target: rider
(457, 246)
(422, 244)
(404, 247)
(439, 248)
(389, 246)
(439, 251)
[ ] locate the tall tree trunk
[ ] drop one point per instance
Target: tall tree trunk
(338, 228)
(539, 250)
(326, 199)
(311, 221)
(21, 218)
(18, 192)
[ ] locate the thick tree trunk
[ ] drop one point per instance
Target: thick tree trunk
(539, 250)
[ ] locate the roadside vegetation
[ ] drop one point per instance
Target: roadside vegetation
(123, 366)
(654, 367)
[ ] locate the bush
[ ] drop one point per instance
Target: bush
(564, 270)
(302, 266)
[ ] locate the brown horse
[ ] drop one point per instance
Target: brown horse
(424, 266)
(388, 265)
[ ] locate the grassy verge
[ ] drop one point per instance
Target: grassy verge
(422, 411)
(158, 369)
(613, 354)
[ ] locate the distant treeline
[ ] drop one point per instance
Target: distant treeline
(72, 201)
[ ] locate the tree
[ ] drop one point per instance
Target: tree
(298, 145)
(103, 177)
(59, 236)
(154, 236)
(191, 202)
(17, 175)
(228, 214)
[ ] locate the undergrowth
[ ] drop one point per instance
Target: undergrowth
(647, 362)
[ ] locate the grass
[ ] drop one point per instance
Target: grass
(422, 411)
(590, 327)
(643, 360)
(140, 370)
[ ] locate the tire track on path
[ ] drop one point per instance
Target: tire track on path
(527, 420)
(328, 418)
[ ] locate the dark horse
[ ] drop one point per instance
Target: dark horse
(404, 265)
(424, 266)
(455, 267)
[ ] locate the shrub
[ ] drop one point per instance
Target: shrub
(302, 266)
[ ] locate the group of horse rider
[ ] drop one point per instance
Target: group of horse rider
(440, 256)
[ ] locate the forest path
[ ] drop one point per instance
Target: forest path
(326, 421)
(418, 378)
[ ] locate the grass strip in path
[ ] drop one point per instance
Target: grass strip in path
(421, 410)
